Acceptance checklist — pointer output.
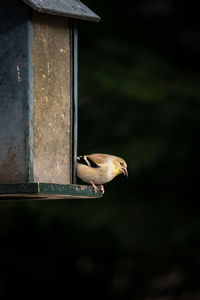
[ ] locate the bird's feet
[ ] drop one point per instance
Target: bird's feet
(94, 186)
(102, 189)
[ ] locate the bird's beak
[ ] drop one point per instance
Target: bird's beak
(125, 172)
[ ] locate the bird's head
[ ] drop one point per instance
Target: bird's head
(120, 166)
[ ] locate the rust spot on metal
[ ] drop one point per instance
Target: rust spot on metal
(28, 143)
(83, 187)
(62, 50)
(12, 166)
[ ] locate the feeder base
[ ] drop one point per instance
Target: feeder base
(46, 191)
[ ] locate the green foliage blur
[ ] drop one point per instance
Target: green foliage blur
(139, 98)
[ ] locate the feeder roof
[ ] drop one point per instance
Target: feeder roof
(67, 8)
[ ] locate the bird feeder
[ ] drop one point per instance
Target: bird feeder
(38, 99)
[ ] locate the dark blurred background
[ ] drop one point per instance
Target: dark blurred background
(139, 93)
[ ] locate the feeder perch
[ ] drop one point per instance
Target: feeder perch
(38, 99)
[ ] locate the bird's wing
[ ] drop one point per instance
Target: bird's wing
(88, 161)
(98, 158)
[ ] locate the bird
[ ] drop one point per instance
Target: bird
(99, 168)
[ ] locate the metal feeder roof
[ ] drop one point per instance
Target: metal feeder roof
(67, 8)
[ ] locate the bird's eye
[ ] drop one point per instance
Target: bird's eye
(121, 163)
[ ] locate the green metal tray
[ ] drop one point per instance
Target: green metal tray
(45, 191)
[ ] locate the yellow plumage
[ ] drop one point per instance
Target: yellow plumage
(100, 168)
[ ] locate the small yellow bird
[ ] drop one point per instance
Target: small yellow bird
(100, 168)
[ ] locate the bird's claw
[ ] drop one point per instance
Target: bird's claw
(94, 186)
(102, 189)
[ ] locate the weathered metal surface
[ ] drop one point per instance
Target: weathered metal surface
(67, 8)
(75, 99)
(43, 191)
(15, 93)
(52, 99)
